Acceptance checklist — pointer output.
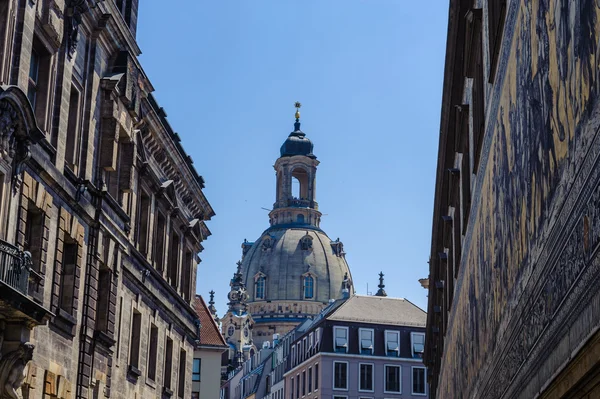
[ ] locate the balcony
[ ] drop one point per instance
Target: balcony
(15, 271)
(14, 267)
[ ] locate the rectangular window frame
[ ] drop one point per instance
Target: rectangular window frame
(388, 351)
(74, 122)
(196, 375)
(385, 373)
(333, 385)
(181, 373)
(412, 344)
(136, 338)
(360, 372)
(363, 336)
(316, 367)
(303, 383)
(338, 348)
(152, 351)
(412, 380)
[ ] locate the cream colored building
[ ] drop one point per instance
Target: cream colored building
(206, 369)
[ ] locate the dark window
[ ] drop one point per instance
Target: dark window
(168, 362)
(152, 351)
(303, 382)
(392, 378)
(300, 219)
(119, 327)
(34, 229)
(104, 296)
(181, 389)
(418, 380)
(316, 377)
(340, 375)
(144, 223)
(159, 242)
(292, 388)
(366, 377)
(186, 275)
(297, 386)
(310, 379)
(136, 329)
(196, 370)
(39, 81)
(496, 16)
(67, 280)
(34, 67)
(174, 259)
(73, 136)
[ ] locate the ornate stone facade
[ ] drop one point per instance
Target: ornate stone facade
(514, 285)
(103, 212)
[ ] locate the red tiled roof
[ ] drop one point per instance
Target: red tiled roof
(209, 331)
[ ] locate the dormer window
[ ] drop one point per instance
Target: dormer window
(259, 292)
(392, 343)
(340, 335)
(418, 344)
(366, 341)
(260, 288)
(306, 242)
(309, 287)
(267, 243)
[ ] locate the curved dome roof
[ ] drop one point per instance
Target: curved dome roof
(285, 255)
(297, 144)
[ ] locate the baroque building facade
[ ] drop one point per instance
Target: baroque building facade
(102, 211)
(514, 283)
(294, 269)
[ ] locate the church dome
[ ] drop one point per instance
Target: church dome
(292, 271)
(297, 264)
(297, 144)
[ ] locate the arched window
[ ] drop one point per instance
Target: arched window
(260, 288)
(300, 219)
(300, 183)
(309, 287)
(296, 187)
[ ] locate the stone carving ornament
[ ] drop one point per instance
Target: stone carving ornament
(12, 371)
(14, 143)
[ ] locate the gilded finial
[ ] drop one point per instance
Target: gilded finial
(297, 105)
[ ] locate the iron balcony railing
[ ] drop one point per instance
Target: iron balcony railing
(15, 266)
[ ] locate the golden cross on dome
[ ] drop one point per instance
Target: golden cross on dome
(297, 105)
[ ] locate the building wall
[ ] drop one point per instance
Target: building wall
(325, 362)
(210, 373)
(86, 189)
(519, 267)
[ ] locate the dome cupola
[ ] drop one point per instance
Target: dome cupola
(293, 270)
(297, 143)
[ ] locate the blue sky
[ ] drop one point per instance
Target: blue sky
(369, 76)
